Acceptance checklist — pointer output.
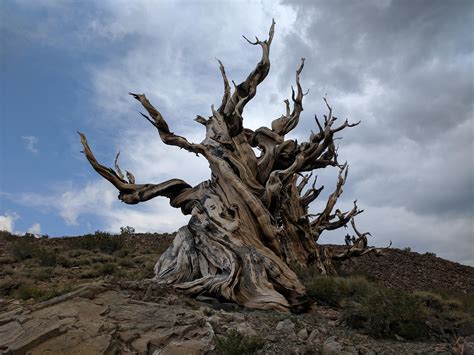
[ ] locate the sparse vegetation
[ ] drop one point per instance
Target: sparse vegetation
(28, 290)
(8, 285)
(235, 343)
(100, 241)
(34, 270)
(333, 291)
(106, 269)
(23, 249)
(384, 312)
(37, 269)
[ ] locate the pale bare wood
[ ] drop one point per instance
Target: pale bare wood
(249, 222)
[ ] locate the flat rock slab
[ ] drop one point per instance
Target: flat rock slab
(101, 320)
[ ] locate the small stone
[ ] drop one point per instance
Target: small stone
(272, 338)
(246, 329)
(285, 325)
(238, 317)
(313, 335)
(291, 335)
(331, 346)
(303, 334)
(323, 330)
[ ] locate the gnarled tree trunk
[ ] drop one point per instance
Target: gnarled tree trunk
(250, 220)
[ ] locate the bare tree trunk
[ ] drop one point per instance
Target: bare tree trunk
(250, 221)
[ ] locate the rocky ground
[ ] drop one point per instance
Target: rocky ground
(410, 271)
(103, 304)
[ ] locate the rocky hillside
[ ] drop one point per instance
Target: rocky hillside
(91, 295)
(411, 271)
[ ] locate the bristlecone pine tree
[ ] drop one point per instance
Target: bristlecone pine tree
(249, 222)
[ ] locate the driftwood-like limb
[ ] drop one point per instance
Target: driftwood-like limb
(325, 216)
(246, 90)
(250, 220)
(166, 135)
(226, 96)
(359, 248)
(132, 193)
(287, 122)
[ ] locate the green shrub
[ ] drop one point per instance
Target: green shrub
(106, 269)
(89, 274)
(7, 235)
(65, 261)
(379, 311)
(467, 302)
(234, 343)
(121, 253)
(333, 291)
(120, 273)
(23, 249)
(76, 252)
(45, 257)
(42, 274)
(100, 241)
(437, 303)
(27, 291)
(386, 313)
(127, 262)
(102, 258)
(148, 270)
(8, 285)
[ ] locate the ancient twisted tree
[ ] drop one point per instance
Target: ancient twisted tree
(249, 222)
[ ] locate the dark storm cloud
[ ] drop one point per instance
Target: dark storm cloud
(406, 69)
(419, 52)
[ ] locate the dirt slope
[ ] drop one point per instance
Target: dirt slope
(411, 271)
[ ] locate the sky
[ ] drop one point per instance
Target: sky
(404, 68)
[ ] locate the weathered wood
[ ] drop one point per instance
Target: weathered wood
(250, 221)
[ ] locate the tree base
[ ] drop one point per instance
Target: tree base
(206, 264)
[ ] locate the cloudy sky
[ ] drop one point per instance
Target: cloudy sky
(405, 68)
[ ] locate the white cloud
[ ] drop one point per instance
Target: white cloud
(177, 68)
(410, 161)
(419, 232)
(178, 72)
(95, 196)
(98, 199)
(35, 229)
(7, 223)
(30, 143)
